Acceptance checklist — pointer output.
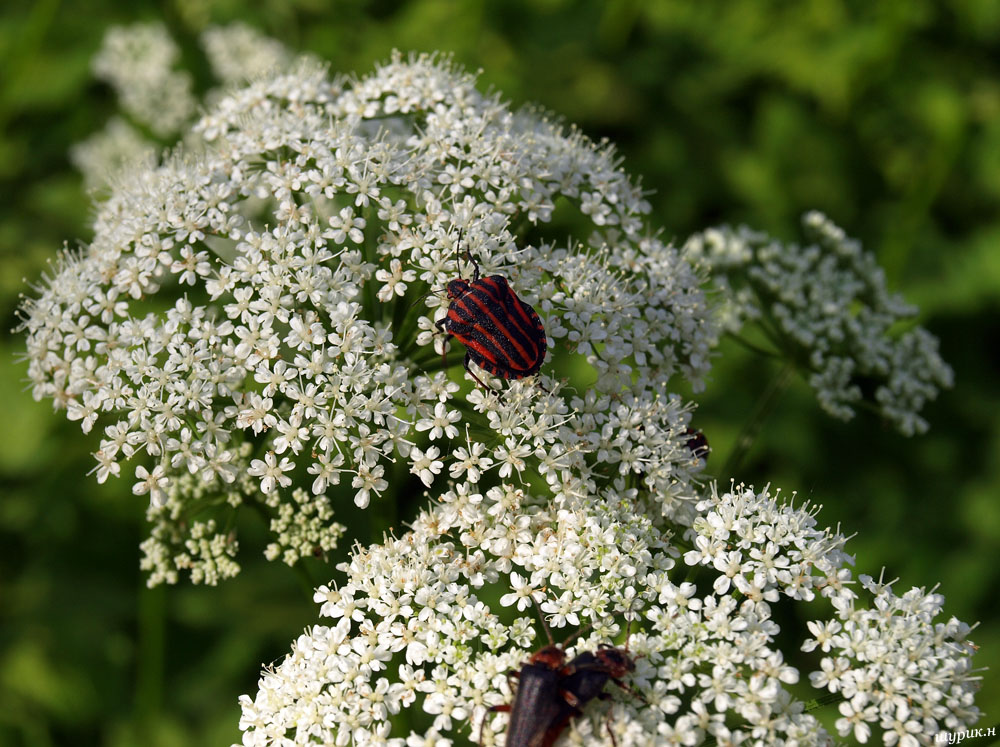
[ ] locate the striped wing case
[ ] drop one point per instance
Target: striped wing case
(502, 334)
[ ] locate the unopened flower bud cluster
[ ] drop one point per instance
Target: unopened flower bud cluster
(826, 304)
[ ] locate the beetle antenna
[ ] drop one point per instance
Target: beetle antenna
(579, 632)
(468, 254)
(421, 298)
(541, 617)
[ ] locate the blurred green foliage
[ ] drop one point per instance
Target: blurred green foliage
(885, 115)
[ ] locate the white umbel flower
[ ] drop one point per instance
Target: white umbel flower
(828, 302)
(278, 288)
(452, 603)
(138, 62)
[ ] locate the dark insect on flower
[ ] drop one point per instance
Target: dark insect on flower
(537, 702)
(583, 680)
(502, 334)
(551, 691)
(697, 443)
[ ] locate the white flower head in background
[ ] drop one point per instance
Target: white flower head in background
(104, 154)
(237, 52)
(139, 62)
(827, 303)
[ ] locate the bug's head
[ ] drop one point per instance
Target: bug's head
(552, 657)
(616, 661)
(457, 288)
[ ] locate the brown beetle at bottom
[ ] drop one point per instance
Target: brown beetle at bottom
(585, 678)
(551, 692)
(537, 701)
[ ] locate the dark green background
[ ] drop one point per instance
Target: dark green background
(884, 115)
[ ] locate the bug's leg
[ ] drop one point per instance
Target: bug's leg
(540, 385)
(611, 734)
(483, 384)
(441, 324)
(491, 709)
(472, 261)
(468, 360)
(631, 691)
(570, 697)
(512, 674)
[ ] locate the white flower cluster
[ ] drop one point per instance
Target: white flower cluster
(238, 52)
(427, 626)
(138, 62)
(896, 666)
(258, 315)
(105, 153)
(261, 295)
(827, 306)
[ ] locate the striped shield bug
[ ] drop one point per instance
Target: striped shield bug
(501, 333)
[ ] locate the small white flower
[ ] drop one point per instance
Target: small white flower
(425, 464)
(395, 279)
(154, 483)
(271, 471)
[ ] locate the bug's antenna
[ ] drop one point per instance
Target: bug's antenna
(425, 295)
(579, 632)
(541, 617)
(468, 254)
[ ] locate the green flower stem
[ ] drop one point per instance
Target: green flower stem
(383, 512)
(823, 700)
(307, 583)
(739, 339)
(764, 406)
(150, 657)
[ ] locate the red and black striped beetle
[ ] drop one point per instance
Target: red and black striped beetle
(502, 334)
